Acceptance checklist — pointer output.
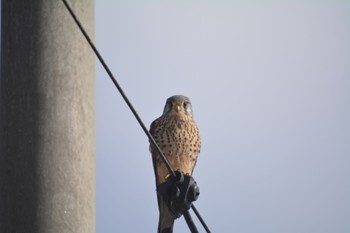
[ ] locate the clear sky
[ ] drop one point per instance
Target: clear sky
(270, 87)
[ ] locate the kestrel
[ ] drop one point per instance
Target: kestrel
(177, 135)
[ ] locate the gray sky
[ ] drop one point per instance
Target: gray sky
(270, 87)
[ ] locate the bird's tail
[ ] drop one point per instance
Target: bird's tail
(166, 218)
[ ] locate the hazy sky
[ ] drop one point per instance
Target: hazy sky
(270, 87)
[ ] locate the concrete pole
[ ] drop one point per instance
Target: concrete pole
(47, 118)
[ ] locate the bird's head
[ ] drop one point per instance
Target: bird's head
(178, 106)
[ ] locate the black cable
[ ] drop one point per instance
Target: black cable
(200, 218)
(120, 90)
(190, 222)
(171, 171)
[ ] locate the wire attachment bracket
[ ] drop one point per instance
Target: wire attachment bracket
(179, 192)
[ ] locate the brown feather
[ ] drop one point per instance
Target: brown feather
(177, 135)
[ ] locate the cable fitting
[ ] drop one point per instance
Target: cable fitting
(179, 192)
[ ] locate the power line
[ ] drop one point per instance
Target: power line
(200, 218)
(144, 128)
(119, 89)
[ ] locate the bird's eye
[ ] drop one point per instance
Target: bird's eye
(186, 104)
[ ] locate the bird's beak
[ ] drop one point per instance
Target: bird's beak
(177, 107)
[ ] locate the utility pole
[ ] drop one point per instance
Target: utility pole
(47, 118)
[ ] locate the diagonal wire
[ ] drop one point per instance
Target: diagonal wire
(120, 89)
(200, 219)
(190, 222)
(151, 139)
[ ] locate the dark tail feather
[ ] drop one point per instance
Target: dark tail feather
(166, 219)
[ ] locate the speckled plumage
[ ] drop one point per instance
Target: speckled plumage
(177, 135)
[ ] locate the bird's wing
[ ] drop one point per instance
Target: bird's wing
(166, 219)
(154, 153)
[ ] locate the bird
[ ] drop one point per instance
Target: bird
(177, 135)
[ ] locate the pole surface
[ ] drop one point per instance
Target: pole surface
(47, 118)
